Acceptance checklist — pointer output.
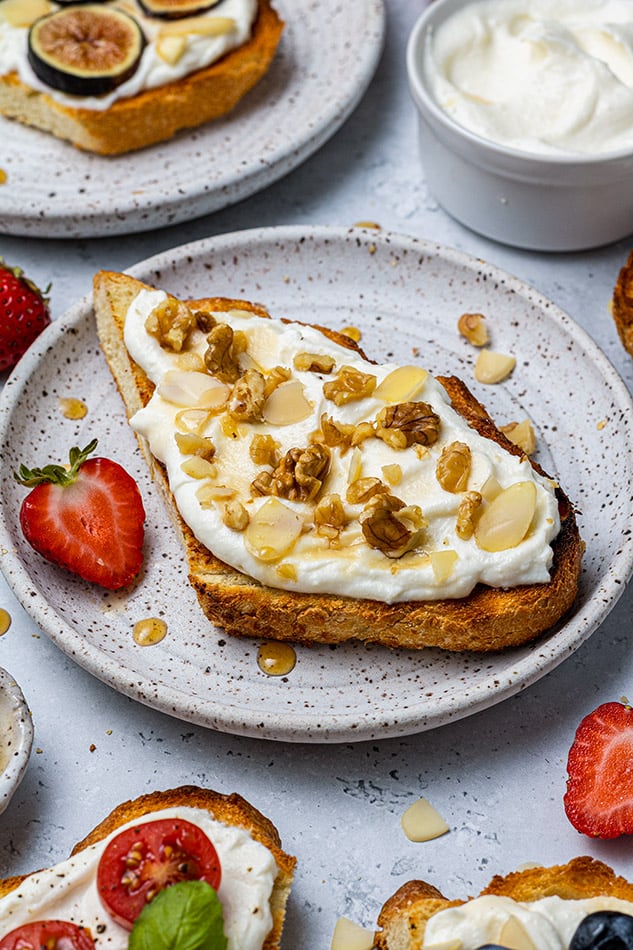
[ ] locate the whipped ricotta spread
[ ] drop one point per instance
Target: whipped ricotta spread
(200, 49)
(282, 542)
(545, 76)
(549, 922)
(69, 892)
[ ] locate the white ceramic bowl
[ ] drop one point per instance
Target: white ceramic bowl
(529, 201)
(16, 737)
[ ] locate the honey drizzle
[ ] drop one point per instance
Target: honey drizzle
(5, 620)
(149, 631)
(72, 408)
(275, 658)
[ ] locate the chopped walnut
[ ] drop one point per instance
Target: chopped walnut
(466, 514)
(472, 327)
(342, 434)
(190, 443)
(391, 526)
(235, 516)
(314, 363)
(408, 423)
(248, 397)
(224, 348)
(352, 332)
(276, 376)
(205, 321)
(263, 450)
(350, 385)
(521, 434)
(171, 322)
(330, 517)
(360, 491)
(453, 467)
(298, 476)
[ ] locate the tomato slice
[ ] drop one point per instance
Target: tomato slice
(141, 861)
(51, 934)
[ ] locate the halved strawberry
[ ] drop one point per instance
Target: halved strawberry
(24, 314)
(88, 517)
(599, 796)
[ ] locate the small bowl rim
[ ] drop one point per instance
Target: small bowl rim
(22, 724)
(485, 146)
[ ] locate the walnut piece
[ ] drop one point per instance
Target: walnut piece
(391, 526)
(276, 376)
(247, 399)
(171, 323)
(314, 363)
(466, 514)
(298, 476)
(223, 350)
(408, 423)
(521, 434)
(235, 516)
(330, 517)
(263, 450)
(343, 435)
(453, 467)
(472, 327)
(360, 491)
(350, 385)
(190, 443)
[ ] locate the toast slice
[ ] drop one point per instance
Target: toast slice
(622, 304)
(231, 810)
(488, 619)
(156, 114)
(405, 916)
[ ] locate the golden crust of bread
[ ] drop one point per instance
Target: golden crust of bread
(230, 809)
(489, 619)
(622, 305)
(153, 115)
(403, 917)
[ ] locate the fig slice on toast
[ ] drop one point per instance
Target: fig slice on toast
(85, 50)
(176, 9)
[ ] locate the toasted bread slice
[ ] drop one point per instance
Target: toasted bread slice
(404, 917)
(153, 115)
(488, 619)
(229, 809)
(622, 305)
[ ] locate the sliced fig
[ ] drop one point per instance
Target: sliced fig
(85, 50)
(176, 9)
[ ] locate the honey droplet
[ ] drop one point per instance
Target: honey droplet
(275, 658)
(72, 408)
(149, 631)
(5, 620)
(3, 177)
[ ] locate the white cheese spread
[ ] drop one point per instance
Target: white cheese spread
(550, 922)
(346, 564)
(548, 76)
(69, 892)
(200, 50)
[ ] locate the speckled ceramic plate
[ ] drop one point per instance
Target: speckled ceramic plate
(16, 737)
(406, 296)
(328, 54)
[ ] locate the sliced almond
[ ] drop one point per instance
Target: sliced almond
(191, 420)
(200, 25)
(349, 936)
(421, 822)
(192, 389)
(197, 467)
(170, 48)
(22, 13)
(443, 564)
(402, 384)
(506, 520)
(287, 404)
(521, 434)
(493, 367)
(355, 466)
(273, 530)
(208, 494)
(190, 361)
(490, 488)
(514, 935)
(455, 944)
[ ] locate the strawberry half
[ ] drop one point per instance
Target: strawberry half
(599, 796)
(23, 314)
(87, 517)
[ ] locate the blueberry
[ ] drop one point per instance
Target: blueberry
(604, 930)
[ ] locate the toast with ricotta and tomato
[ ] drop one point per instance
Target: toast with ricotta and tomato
(152, 851)
(536, 907)
(622, 304)
(322, 497)
(118, 76)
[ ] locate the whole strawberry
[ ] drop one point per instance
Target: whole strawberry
(87, 517)
(23, 314)
(599, 796)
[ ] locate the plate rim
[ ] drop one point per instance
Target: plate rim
(185, 203)
(345, 727)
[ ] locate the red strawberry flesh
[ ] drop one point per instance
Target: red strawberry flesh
(24, 314)
(92, 526)
(599, 796)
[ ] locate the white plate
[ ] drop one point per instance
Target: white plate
(406, 296)
(16, 737)
(327, 56)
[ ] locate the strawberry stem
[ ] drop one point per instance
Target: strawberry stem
(57, 474)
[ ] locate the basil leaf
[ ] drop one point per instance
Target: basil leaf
(184, 916)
